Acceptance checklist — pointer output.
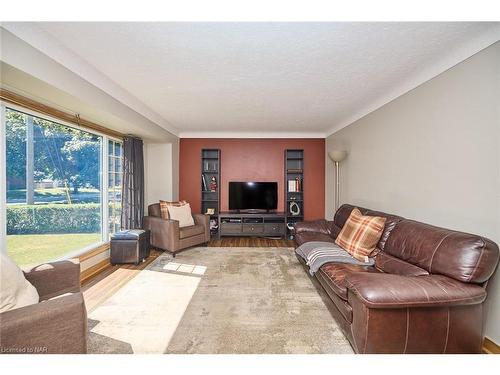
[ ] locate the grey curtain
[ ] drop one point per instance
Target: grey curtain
(133, 183)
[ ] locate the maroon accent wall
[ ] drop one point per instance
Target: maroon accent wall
(254, 160)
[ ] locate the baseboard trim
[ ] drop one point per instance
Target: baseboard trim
(490, 347)
(94, 270)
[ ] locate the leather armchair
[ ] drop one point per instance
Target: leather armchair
(168, 236)
(58, 323)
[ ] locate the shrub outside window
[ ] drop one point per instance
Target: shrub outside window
(54, 189)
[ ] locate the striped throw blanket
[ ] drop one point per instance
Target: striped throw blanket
(317, 253)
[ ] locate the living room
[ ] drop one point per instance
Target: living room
(202, 187)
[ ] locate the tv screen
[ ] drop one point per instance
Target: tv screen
(253, 195)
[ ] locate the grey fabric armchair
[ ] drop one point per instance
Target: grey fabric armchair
(166, 234)
(58, 323)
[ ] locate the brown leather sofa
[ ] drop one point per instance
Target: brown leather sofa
(425, 293)
(55, 325)
(166, 234)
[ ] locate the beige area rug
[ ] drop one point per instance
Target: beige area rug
(218, 300)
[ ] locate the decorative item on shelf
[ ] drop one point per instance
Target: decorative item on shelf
(210, 211)
(213, 184)
(337, 156)
(291, 230)
(214, 227)
(297, 184)
(294, 209)
(204, 182)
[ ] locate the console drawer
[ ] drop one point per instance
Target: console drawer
(253, 228)
(274, 228)
(230, 228)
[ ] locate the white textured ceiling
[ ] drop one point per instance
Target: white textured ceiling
(307, 78)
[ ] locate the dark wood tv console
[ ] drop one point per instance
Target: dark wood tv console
(252, 224)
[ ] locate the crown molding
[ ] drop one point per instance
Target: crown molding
(243, 134)
(453, 58)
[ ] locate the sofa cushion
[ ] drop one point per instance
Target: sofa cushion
(15, 290)
(182, 214)
(360, 234)
(345, 210)
(303, 237)
(335, 274)
(342, 305)
(389, 264)
(191, 231)
(385, 291)
(464, 257)
(164, 205)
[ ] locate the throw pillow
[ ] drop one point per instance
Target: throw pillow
(360, 234)
(182, 214)
(164, 207)
(15, 290)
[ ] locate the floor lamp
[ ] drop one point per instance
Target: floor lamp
(337, 156)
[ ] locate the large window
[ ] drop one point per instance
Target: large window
(57, 202)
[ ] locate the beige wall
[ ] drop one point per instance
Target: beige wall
(433, 155)
(161, 172)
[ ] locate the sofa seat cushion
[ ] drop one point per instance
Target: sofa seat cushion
(386, 291)
(191, 231)
(336, 275)
(303, 237)
(343, 306)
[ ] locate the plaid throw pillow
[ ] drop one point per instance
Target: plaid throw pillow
(164, 208)
(360, 234)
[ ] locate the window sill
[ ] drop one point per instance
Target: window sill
(87, 252)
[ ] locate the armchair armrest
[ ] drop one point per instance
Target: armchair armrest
(58, 325)
(55, 278)
(164, 233)
(317, 226)
(381, 291)
(203, 219)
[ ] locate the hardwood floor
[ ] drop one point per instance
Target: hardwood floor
(250, 242)
(101, 286)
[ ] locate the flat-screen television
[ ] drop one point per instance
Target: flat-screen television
(253, 195)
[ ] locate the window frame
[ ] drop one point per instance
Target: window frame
(103, 178)
(114, 172)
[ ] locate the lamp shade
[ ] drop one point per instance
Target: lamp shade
(337, 155)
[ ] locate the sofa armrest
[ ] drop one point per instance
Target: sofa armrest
(55, 278)
(164, 233)
(316, 226)
(381, 291)
(203, 219)
(58, 325)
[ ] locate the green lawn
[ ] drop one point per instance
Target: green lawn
(32, 249)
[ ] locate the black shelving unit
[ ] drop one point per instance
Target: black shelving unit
(210, 191)
(294, 188)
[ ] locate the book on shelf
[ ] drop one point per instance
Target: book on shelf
(294, 186)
